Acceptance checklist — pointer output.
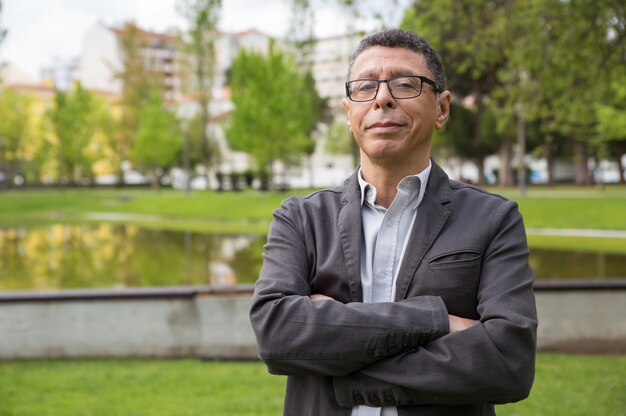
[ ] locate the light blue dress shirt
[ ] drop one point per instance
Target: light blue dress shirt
(385, 235)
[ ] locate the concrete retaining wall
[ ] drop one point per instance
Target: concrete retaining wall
(213, 323)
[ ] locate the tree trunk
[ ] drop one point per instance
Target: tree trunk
(311, 171)
(549, 155)
(156, 180)
(582, 175)
(620, 165)
(480, 164)
(505, 172)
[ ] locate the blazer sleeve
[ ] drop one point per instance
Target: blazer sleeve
(492, 361)
(302, 337)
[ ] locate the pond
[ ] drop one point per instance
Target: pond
(60, 256)
(116, 256)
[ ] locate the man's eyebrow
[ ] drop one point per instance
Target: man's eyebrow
(398, 73)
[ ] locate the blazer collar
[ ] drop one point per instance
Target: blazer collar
(350, 230)
(432, 215)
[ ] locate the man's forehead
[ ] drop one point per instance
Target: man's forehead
(397, 61)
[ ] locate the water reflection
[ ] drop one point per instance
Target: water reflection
(555, 264)
(113, 255)
(116, 255)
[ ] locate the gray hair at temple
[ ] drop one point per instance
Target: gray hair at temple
(399, 38)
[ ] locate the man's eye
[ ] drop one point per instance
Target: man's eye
(406, 86)
(367, 86)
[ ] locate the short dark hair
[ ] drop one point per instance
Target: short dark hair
(399, 38)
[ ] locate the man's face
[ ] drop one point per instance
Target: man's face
(390, 130)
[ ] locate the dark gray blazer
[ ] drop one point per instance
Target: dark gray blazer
(467, 255)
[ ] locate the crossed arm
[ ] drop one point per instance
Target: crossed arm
(412, 351)
(455, 323)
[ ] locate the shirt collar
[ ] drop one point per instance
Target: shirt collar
(368, 191)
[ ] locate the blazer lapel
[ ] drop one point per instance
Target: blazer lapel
(431, 217)
(350, 230)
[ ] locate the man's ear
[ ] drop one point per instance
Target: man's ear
(346, 110)
(443, 108)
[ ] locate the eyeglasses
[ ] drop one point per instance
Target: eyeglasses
(402, 87)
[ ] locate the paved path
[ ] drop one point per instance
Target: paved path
(577, 232)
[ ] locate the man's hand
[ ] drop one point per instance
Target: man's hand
(319, 296)
(459, 324)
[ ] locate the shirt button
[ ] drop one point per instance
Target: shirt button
(357, 399)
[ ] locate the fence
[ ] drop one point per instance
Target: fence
(210, 322)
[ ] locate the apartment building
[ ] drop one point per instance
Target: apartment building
(330, 61)
(101, 59)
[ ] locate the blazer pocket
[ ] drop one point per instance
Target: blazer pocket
(455, 276)
(457, 258)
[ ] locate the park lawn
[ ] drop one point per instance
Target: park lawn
(543, 207)
(251, 211)
(564, 385)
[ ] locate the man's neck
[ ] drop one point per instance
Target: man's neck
(386, 178)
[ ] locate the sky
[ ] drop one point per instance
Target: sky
(42, 31)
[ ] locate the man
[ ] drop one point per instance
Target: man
(401, 292)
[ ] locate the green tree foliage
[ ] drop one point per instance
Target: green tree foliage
(159, 141)
(199, 43)
(15, 116)
(564, 58)
(339, 141)
(548, 61)
(612, 123)
(74, 119)
(3, 31)
(136, 83)
(274, 110)
(471, 37)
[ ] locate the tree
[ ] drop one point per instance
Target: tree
(202, 17)
(565, 55)
(136, 83)
(301, 32)
(74, 122)
(612, 123)
(362, 11)
(459, 134)
(3, 33)
(301, 35)
(15, 113)
(471, 38)
(339, 140)
(274, 110)
(159, 141)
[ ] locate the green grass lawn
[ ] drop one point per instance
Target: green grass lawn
(542, 207)
(251, 211)
(564, 385)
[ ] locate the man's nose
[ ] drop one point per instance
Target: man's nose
(384, 99)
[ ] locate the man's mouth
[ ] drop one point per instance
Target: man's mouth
(384, 126)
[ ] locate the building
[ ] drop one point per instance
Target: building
(329, 65)
(61, 73)
(101, 59)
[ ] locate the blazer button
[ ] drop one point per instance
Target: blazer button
(389, 399)
(357, 399)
